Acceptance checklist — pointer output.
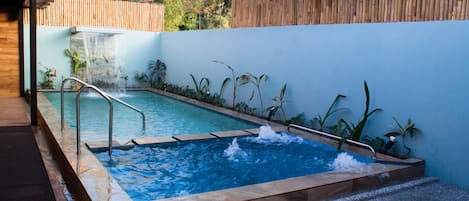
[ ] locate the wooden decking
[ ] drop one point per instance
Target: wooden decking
(13, 112)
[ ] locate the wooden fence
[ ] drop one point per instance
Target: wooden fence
(105, 13)
(254, 13)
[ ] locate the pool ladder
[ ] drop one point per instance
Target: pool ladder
(106, 96)
(332, 136)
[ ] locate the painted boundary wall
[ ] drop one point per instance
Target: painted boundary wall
(135, 48)
(417, 70)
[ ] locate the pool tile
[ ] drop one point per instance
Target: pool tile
(98, 146)
(154, 140)
(225, 134)
(204, 136)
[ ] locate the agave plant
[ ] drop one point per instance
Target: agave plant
(256, 81)
(351, 131)
(319, 122)
(279, 102)
(236, 81)
(403, 131)
(202, 88)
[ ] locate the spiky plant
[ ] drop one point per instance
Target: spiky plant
(319, 122)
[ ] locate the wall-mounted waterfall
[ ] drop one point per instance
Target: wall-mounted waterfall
(98, 47)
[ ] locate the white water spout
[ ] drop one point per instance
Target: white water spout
(234, 152)
(267, 136)
(345, 161)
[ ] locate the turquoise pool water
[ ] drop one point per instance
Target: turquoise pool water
(165, 116)
(155, 172)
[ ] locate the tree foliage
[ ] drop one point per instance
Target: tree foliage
(195, 14)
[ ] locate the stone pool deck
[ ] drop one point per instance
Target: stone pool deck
(422, 189)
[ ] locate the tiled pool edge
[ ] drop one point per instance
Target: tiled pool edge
(89, 170)
(86, 176)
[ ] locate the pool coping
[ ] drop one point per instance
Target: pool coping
(91, 181)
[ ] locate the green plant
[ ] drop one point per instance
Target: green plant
(319, 122)
(141, 77)
(202, 88)
(217, 97)
(403, 131)
(48, 79)
(236, 81)
(298, 120)
(244, 108)
(279, 102)
(76, 62)
(355, 131)
(351, 131)
(247, 77)
(377, 143)
(157, 73)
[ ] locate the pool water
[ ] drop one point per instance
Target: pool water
(165, 116)
(155, 172)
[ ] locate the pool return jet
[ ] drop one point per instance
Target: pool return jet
(109, 99)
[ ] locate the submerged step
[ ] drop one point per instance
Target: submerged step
(154, 140)
(99, 146)
(225, 134)
(203, 136)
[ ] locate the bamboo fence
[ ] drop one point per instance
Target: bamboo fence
(255, 13)
(104, 13)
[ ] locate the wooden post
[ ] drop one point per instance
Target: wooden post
(21, 48)
(33, 67)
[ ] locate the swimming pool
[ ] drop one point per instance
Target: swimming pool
(170, 170)
(165, 116)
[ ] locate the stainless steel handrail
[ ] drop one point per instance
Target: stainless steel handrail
(105, 96)
(62, 97)
(84, 83)
(333, 137)
(131, 107)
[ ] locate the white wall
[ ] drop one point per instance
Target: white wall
(416, 70)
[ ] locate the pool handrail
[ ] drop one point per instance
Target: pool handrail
(106, 96)
(85, 83)
(108, 99)
(131, 107)
(333, 137)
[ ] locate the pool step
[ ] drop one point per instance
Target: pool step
(100, 146)
(154, 140)
(203, 136)
(225, 134)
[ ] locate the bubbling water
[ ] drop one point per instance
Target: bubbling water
(268, 136)
(234, 152)
(345, 161)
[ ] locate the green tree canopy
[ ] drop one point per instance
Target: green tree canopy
(195, 14)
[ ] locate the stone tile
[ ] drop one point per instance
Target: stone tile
(194, 137)
(154, 140)
(225, 134)
(98, 146)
